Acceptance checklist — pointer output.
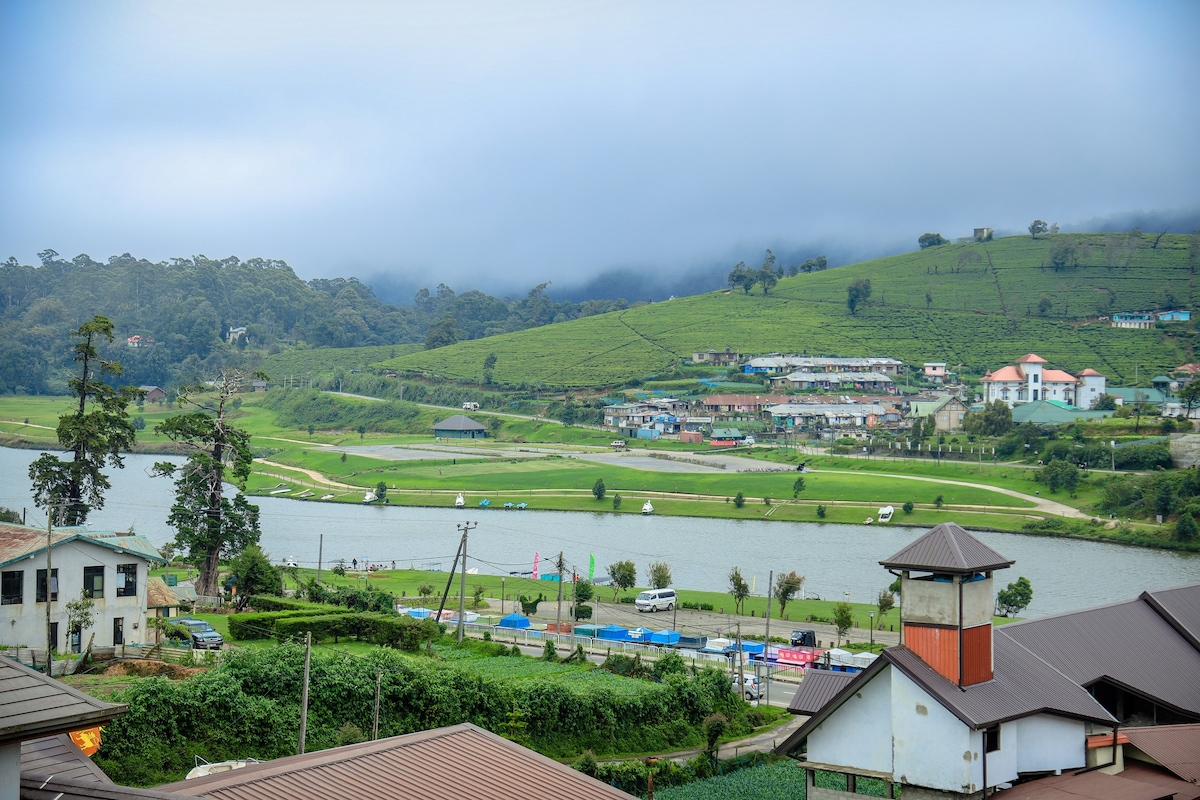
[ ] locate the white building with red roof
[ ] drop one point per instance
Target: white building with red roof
(1029, 380)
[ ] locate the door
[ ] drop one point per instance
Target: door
(118, 631)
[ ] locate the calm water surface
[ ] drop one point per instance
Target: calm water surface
(836, 559)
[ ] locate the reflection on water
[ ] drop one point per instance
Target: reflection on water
(839, 561)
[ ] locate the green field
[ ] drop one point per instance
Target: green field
(980, 314)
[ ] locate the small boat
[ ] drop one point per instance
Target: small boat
(521, 506)
(280, 491)
(327, 497)
(648, 508)
(485, 502)
(868, 520)
(885, 514)
(305, 494)
(509, 505)
(459, 502)
(369, 497)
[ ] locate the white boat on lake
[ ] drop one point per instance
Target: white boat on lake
(459, 502)
(369, 497)
(885, 514)
(647, 508)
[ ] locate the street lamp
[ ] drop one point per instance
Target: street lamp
(872, 650)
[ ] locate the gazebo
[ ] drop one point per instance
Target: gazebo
(459, 427)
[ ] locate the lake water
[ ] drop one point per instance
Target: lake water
(837, 560)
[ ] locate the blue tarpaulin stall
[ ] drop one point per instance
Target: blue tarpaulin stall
(514, 621)
(613, 632)
(667, 637)
(752, 647)
(419, 612)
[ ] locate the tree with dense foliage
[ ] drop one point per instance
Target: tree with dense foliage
(743, 277)
(857, 293)
(938, 501)
(96, 433)
(489, 366)
(843, 620)
(908, 506)
(931, 240)
(739, 499)
(1064, 253)
(1106, 402)
(253, 574)
(1060, 474)
(8, 515)
(208, 524)
(441, 333)
(80, 613)
(1014, 598)
(381, 492)
(1036, 227)
(598, 489)
(994, 419)
(817, 264)
(1185, 529)
(885, 602)
(623, 575)
(787, 585)
(659, 574)
(798, 487)
(739, 589)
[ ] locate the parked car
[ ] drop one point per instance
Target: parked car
(803, 639)
(204, 636)
(753, 689)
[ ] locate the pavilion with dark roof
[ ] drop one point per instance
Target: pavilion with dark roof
(459, 427)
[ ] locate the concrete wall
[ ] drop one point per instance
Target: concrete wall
(935, 603)
(1185, 449)
(859, 735)
(931, 747)
(979, 603)
(25, 623)
(1045, 742)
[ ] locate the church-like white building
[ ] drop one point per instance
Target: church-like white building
(1028, 380)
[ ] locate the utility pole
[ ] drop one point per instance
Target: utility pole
(49, 585)
(320, 552)
(304, 692)
(558, 613)
(466, 528)
(767, 638)
(378, 684)
(741, 665)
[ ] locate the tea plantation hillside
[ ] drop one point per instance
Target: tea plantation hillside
(980, 305)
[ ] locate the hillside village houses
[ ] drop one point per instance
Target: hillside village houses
(776, 364)
(110, 568)
(1028, 381)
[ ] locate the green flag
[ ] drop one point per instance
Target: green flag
(591, 566)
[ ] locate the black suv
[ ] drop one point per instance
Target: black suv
(803, 639)
(204, 636)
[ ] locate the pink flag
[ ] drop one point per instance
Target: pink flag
(536, 558)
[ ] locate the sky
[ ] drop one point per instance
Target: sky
(498, 145)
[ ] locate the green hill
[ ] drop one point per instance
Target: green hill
(980, 305)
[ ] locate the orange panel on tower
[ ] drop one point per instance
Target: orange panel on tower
(977, 654)
(937, 647)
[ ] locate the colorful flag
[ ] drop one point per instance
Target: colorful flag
(591, 566)
(536, 557)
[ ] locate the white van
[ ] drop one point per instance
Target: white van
(656, 600)
(470, 406)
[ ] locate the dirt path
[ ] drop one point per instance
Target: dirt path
(27, 424)
(313, 474)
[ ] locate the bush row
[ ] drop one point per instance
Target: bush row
(388, 630)
(243, 627)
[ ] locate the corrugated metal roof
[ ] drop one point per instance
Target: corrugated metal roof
(1176, 747)
(1022, 685)
(1086, 786)
(1148, 773)
(33, 706)
(39, 787)
(60, 757)
(818, 688)
(450, 763)
(948, 548)
(458, 423)
(1128, 643)
(1181, 607)
(19, 541)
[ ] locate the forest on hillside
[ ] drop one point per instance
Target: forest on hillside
(184, 309)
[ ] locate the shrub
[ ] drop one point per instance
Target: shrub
(739, 500)
(821, 512)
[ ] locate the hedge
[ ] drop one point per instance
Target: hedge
(387, 630)
(267, 602)
(243, 627)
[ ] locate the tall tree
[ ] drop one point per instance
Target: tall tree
(659, 574)
(96, 432)
(1013, 599)
(207, 523)
(857, 293)
(739, 588)
(623, 575)
(787, 585)
(743, 277)
(1036, 227)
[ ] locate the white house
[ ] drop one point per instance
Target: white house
(953, 710)
(1028, 381)
(111, 568)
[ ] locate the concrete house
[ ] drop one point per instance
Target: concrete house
(952, 710)
(111, 568)
(1029, 380)
(935, 371)
(947, 412)
(153, 394)
(1141, 320)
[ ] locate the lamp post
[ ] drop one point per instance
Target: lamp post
(502, 595)
(872, 650)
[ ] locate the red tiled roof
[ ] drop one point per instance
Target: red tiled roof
(1090, 373)
(1009, 373)
(1057, 376)
(1032, 358)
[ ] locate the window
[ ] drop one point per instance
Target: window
(118, 631)
(126, 580)
(1035, 378)
(93, 581)
(41, 586)
(12, 587)
(54, 636)
(991, 739)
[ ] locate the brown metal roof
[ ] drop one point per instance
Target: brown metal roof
(33, 706)
(1022, 685)
(818, 688)
(948, 548)
(1127, 644)
(1175, 747)
(1087, 786)
(60, 757)
(458, 423)
(449, 763)
(56, 787)
(1180, 607)
(1148, 773)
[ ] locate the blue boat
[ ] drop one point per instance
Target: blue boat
(522, 505)
(485, 502)
(509, 505)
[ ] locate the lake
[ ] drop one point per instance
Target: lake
(839, 561)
